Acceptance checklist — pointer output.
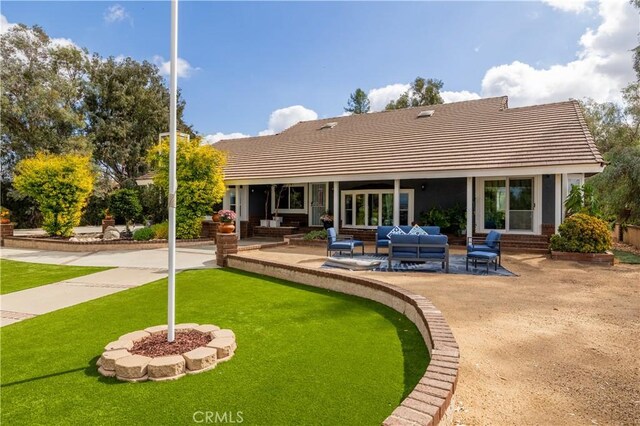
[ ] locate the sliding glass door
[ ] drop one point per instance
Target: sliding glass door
(508, 204)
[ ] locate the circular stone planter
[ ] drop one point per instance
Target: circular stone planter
(117, 360)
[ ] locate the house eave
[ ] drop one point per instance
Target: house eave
(462, 173)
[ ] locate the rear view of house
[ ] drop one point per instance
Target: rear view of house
(509, 168)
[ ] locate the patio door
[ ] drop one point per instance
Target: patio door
(318, 200)
(508, 204)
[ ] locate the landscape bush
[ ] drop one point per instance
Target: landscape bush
(144, 234)
(199, 171)
(582, 233)
(60, 185)
(160, 231)
(125, 204)
(320, 234)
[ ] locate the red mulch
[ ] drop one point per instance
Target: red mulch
(156, 345)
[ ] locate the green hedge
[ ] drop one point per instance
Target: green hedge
(143, 234)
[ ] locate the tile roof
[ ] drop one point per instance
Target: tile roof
(478, 134)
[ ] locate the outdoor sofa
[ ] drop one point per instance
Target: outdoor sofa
(382, 238)
(419, 248)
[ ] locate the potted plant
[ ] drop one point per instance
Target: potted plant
(227, 219)
(4, 215)
(327, 219)
(215, 217)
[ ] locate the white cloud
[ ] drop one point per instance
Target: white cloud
(116, 13)
(463, 95)
(602, 68)
(5, 25)
(380, 97)
(216, 137)
(185, 70)
(284, 118)
(575, 6)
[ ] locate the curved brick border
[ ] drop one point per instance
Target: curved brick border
(430, 401)
(116, 360)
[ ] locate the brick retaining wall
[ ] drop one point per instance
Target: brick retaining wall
(430, 402)
(91, 246)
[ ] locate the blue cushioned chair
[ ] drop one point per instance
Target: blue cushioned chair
(345, 243)
(490, 244)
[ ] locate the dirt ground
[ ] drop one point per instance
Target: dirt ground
(556, 345)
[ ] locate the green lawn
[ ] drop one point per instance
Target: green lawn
(305, 356)
(16, 276)
(626, 257)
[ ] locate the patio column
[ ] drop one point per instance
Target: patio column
(238, 207)
(396, 202)
(558, 203)
(469, 207)
(336, 205)
(563, 192)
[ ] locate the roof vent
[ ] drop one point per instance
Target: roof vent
(329, 125)
(427, 113)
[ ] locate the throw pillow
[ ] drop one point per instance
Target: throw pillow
(416, 230)
(396, 231)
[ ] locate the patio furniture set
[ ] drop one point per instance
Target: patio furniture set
(420, 244)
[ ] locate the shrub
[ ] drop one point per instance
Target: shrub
(582, 233)
(200, 181)
(320, 234)
(124, 203)
(143, 234)
(160, 231)
(154, 203)
(60, 184)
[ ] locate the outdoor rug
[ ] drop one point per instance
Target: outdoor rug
(457, 265)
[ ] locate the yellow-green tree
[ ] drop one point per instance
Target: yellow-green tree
(60, 184)
(199, 171)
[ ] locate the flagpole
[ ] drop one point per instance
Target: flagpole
(173, 184)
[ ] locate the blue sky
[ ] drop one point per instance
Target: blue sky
(246, 60)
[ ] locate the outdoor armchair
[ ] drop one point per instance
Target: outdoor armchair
(345, 243)
(490, 244)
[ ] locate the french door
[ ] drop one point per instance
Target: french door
(508, 204)
(319, 199)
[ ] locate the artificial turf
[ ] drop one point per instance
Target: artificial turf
(305, 356)
(16, 276)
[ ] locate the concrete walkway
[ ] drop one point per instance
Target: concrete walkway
(28, 303)
(186, 257)
(133, 268)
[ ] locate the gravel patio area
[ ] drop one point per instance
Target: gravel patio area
(557, 344)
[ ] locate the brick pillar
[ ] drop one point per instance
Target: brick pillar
(226, 244)
(6, 230)
(107, 222)
(209, 229)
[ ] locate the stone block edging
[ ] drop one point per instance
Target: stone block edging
(430, 402)
(116, 360)
(84, 246)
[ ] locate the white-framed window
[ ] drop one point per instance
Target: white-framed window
(373, 207)
(293, 198)
(574, 179)
(509, 204)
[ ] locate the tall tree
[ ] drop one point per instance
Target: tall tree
(358, 102)
(422, 92)
(42, 90)
(126, 106)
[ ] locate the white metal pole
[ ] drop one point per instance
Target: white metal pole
(173, 184)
